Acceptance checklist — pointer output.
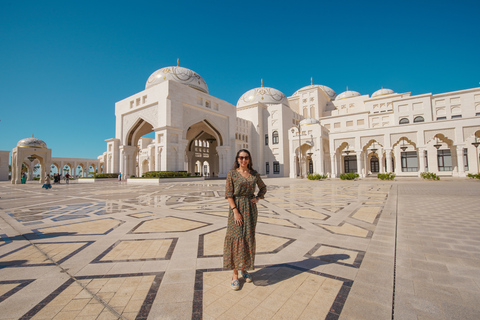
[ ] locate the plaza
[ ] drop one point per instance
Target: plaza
(366, 249)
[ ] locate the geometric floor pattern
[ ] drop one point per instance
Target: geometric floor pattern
(325, 250)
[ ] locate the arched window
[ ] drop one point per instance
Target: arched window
(418, 119)
(404, 121)
(305, 112)
(275, 137)
(312, 112)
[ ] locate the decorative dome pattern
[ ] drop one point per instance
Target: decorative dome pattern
(31, 143)
(307, 121)
(382, 92)
(178, 74)
(264, 95)
(329, 91)
(347, 94)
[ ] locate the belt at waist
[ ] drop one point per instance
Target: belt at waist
(249, 196)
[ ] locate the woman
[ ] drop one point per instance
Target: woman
(47, 184)
(239, 246)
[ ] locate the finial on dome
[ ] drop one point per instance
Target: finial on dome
(311, 81)
(178, 62)
(261, 81)
(347, 88)
(32, 135)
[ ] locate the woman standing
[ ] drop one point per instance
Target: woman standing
(239, 246)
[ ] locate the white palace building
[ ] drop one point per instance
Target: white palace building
(314, 130)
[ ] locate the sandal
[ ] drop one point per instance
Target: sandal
(235, 285)
(247, 276)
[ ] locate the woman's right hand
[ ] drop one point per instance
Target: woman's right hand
(238, 218)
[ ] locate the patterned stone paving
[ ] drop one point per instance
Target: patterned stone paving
(325, 250)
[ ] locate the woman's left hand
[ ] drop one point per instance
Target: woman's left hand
(254, 200)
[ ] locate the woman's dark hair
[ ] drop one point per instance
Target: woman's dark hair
(236, 165)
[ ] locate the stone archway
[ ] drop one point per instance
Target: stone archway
(203, 140)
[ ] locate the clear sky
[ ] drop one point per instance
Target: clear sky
(64, 64)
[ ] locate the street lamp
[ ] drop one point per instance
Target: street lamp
(437, 145)
(347, 151)
(476, 144)
(299, 147)
(403, 147)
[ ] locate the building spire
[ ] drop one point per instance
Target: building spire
(311, 81)
(261, 81)
(178, 62)
(347, 88)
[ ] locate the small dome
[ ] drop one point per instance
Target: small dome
(178, 74)
(329, 91)
(308, 121)
(264, 95)
(347, 94)
(31, 143)
(382, 92)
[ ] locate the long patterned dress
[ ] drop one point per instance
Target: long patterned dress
(239, 246)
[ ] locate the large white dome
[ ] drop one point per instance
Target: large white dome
(347, 94)
(178, 74)
(382, 92)
(31, 143)
(309, 121)
(329, 91)
(264, 95)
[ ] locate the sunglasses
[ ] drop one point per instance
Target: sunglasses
(244, 158)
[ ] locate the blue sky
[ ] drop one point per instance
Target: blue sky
(64, 64)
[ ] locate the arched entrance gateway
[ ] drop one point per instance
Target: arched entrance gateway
(185, 126)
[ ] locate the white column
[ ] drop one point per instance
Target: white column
(381, 161)
(421, 160)
(388, 156)
(460, 163)
(319, 169)
(359, 163)
(333, 166)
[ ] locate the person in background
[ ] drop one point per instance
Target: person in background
(48, 181)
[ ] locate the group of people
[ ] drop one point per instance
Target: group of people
(57, 177)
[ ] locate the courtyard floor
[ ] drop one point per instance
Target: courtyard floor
(367, 249)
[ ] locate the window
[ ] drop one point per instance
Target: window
(418, 119)
(137, 101)
(267, 167)
(465, 158)
(403, 121)
(312, 112)
(409, 161)
(350, 123)
(456, 116)
(266, 139)
(350, 164)
(144, 99)
(207, 103)
(426, 161)
(275, 137)
(374, 164)
(477, 114)
(444, 158)
(305, 112)
(441, 118)
(276, 167)
(336, 125)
